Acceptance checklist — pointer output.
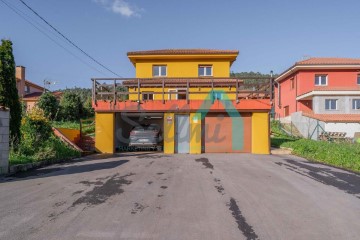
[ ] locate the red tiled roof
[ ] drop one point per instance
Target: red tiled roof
(182, 52)
(181, 80)
(319, 61)
(36, 95)
(344, 118)
(329, 61)
(33, 95)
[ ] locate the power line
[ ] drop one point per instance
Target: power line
(67, 39)
(19, 13)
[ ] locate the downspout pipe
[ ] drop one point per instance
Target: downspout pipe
(278, 94)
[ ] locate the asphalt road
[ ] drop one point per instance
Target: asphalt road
(156, 196)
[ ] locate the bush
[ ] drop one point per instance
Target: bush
(71, 106)
(35, 130)
(38, 143)
(49, 104)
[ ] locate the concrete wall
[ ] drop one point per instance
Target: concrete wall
(4, 141)
(306, 126)
(344, 105)
(349, 128)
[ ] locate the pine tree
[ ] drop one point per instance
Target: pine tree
(8, 92)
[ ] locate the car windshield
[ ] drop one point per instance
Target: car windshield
(151, 127)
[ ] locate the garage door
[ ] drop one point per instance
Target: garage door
(222, 133)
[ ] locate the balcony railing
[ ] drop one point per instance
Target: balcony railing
(123, 89)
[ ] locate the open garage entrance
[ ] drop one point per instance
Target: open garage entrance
(127, 124)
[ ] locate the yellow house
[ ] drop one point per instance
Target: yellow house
(190, 95)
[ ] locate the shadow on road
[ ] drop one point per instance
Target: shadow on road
(65, 169)
(345, 181)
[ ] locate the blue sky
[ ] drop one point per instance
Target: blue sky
(270, 35)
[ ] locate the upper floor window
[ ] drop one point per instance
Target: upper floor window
(356, 104)
(159, 71)
(205, 71)
(358, 79)
(330, 104)
(321, 80)
(292, 83)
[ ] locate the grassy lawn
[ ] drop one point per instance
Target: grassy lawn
(61, 124)
(52, 150)
(343, 155)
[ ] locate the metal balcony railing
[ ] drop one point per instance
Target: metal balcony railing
(120, 89)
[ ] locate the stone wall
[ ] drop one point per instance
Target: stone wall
(4, 140)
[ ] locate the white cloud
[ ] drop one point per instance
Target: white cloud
(120, 7)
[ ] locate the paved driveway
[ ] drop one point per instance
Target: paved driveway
(156, 196)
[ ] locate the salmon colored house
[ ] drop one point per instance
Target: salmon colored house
(190, 95)
(323, 89)
(29, 92)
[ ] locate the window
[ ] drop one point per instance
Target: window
(172, 94)
(159, 71)
(181, 94)
(205, 71)
(147, 96)
(331, 104)
(358, 79)
(286, 111)
(177, 94)
(292, 84)
(356, 104)
(27, 89)
(320, 80)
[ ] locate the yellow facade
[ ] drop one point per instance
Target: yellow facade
(105, 132)
(71, 134)
(260, 133)
(169, 133)
(195, 133)
(183, 67)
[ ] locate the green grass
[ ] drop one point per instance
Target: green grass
(54, 149)
(70, 125)
(89, 130)
(343, 155)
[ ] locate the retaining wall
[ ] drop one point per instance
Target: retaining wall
(4, 140)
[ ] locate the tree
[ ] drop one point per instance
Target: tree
(49, 104)
(71, 106)
(86, 101)
(8, 92)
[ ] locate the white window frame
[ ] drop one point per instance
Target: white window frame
(205, 66)
(148, 94)
(320, 75)
(175, 92)
(172, 91)
(336, 104)
(355, 104)
(159, 66)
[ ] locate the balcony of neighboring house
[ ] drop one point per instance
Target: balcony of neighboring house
(181, 94)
